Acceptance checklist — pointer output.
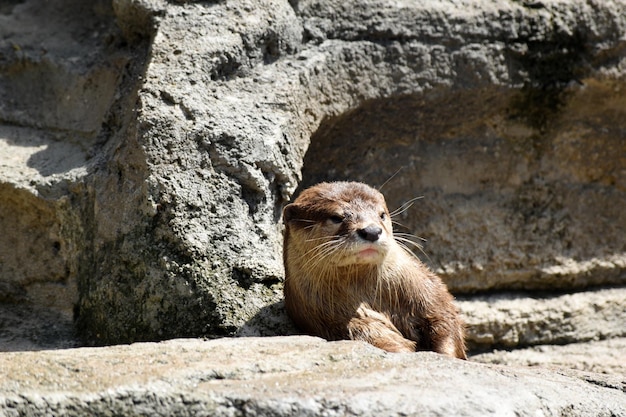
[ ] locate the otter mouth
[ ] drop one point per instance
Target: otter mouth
(363, 255)
(369, 253)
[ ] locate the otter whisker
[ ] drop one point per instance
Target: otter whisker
(379, 290)
(410, 235)
(320, 256)
(303, 220)
(313, 239)
(407, 235)
(321, 252)
(405, 206)
(390, 178)
(401, 241)
(397, 223)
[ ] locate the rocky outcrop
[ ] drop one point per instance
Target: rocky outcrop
(149, 146)
(288, 377)
(62, 72)
(513, 320)
(593, 358)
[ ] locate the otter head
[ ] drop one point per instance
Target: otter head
(338, 224)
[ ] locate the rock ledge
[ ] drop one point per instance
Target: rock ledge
(285, 376)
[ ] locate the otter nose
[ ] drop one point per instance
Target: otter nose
(370, 233)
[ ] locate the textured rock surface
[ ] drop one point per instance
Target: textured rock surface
(514, 320)
(62, 65)
(514, 142)
(491, 122)
(603, 356)
(148, 147)
(288, 377)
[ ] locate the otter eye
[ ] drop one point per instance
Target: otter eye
(336, 219)
(383, 216)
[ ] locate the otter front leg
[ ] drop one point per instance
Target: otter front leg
(447, 337)
(376, 329)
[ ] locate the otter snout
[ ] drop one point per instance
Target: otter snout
(370, 233)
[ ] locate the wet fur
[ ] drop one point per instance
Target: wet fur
(393, 302)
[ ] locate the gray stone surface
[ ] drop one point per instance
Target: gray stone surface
(61, 66)
(492, 118)
(600, 356)
(506, 136)
(148, 147)
(293, 376)
(517, 320)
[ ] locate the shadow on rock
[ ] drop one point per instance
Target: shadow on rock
(28, 327)
(271, 320)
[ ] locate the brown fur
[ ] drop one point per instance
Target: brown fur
(336, 290)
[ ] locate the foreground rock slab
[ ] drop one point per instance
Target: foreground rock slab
(284, 376)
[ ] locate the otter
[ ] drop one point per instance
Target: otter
(346, 277)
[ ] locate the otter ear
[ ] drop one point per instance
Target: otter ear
(289, 212)
(293, 212)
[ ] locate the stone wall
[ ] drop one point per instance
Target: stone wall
(149, 146)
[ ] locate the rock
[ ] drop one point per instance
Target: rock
(224, 123)
(285, 376)
(138, 18)
(35, 327)
(148, 203)
(517, 320)
(601, 356)
(188, 207)
(147, 148)
(467, 108)
(60, 70)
